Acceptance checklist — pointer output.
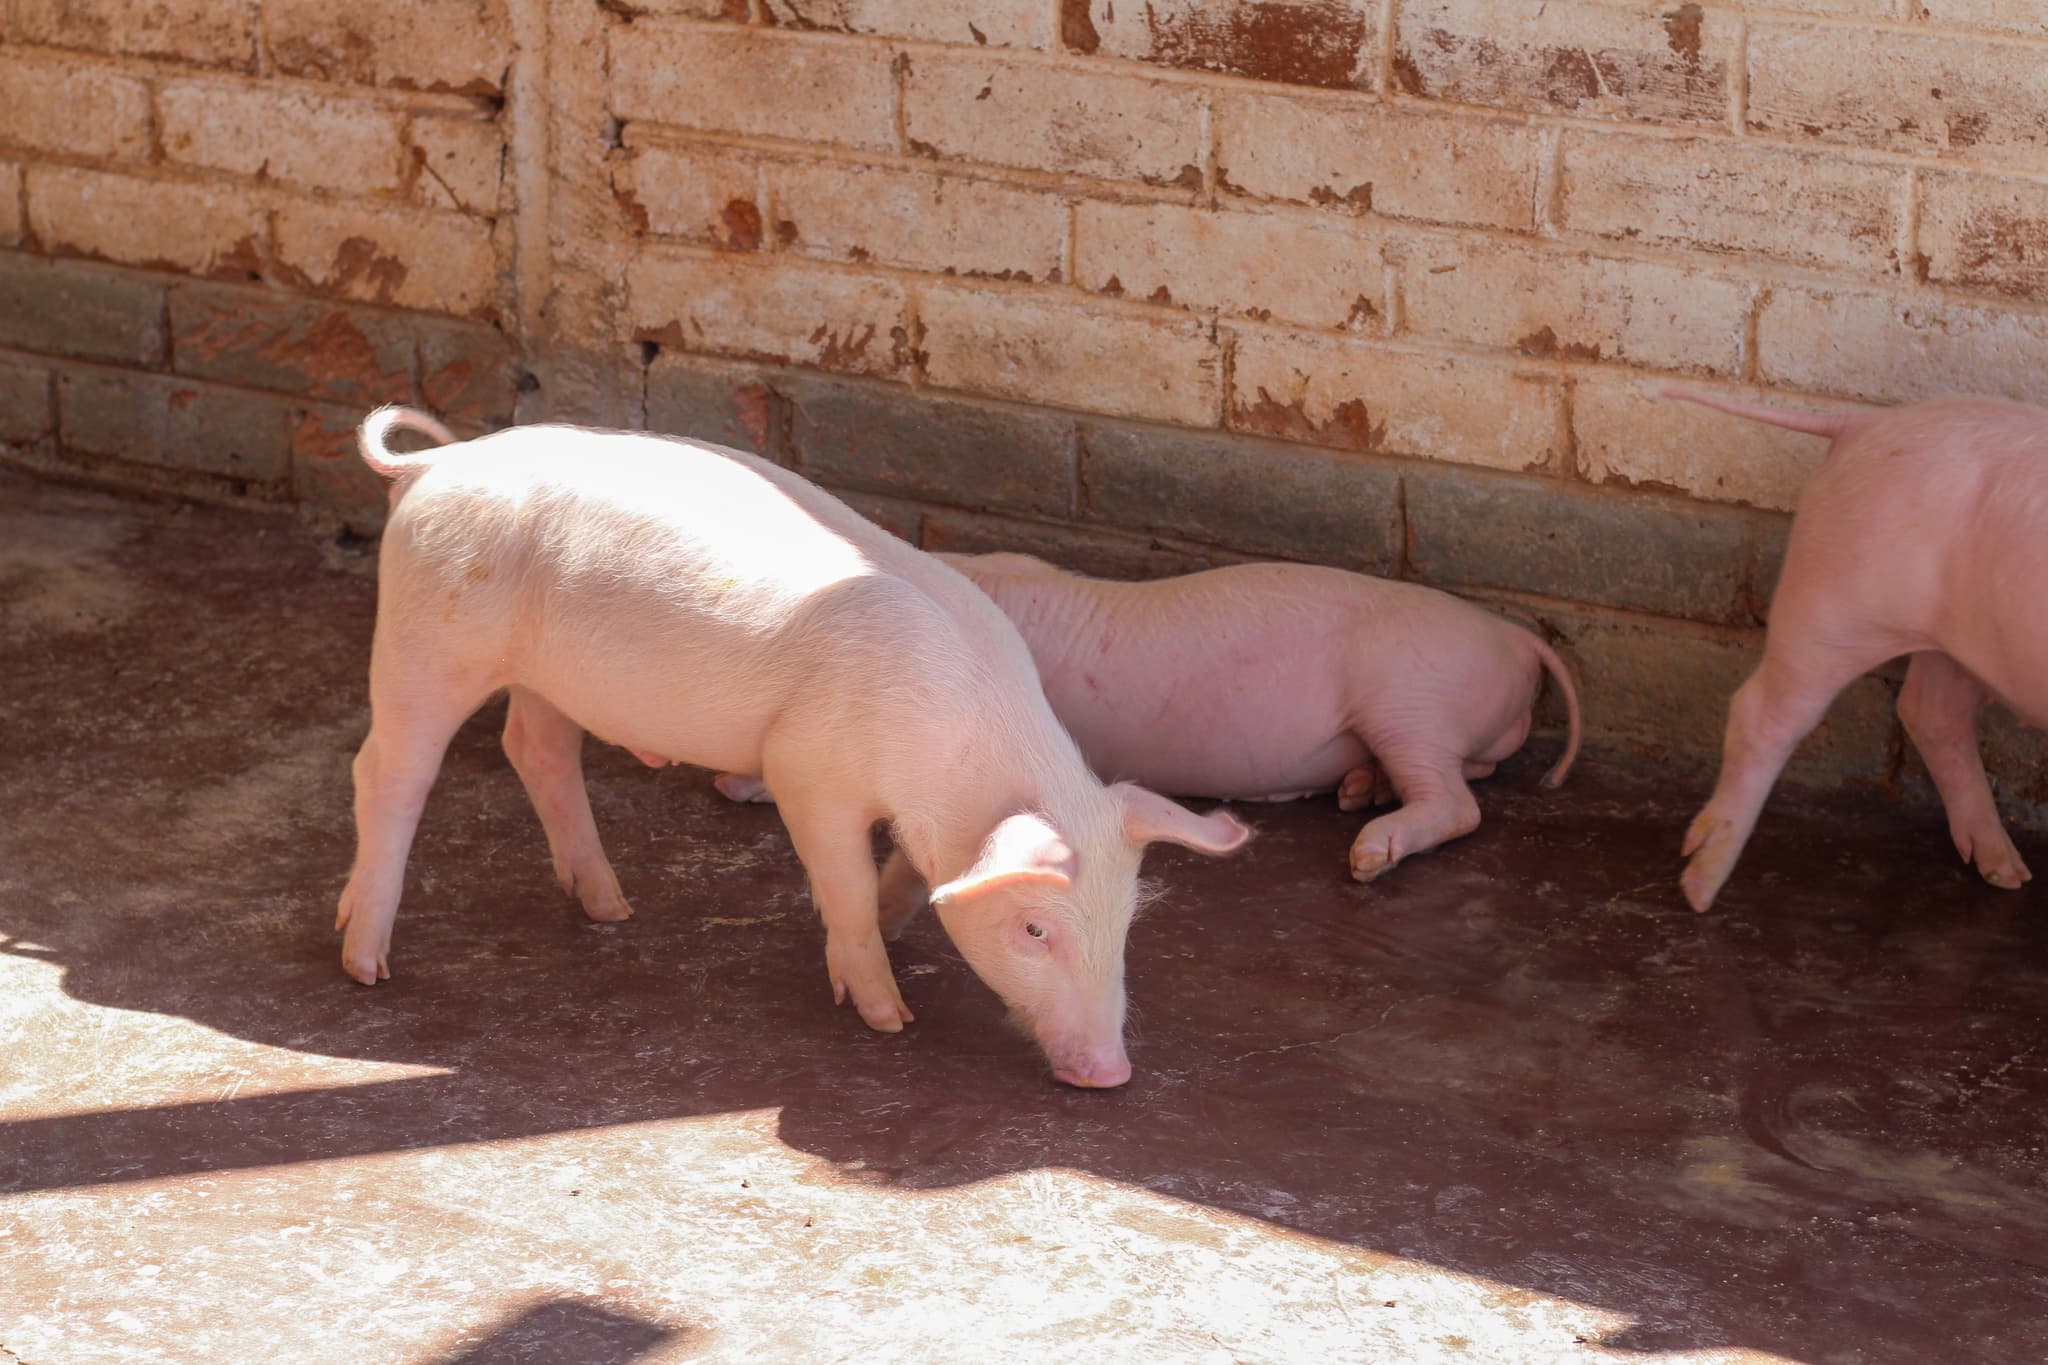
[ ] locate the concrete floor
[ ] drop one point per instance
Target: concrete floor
(1513, 1103)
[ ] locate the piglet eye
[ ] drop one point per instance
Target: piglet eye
(1036, 931)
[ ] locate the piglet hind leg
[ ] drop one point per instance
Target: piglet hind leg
(546, 749)
(1436, 806)
(412, 718)
(1367, 786)
(837, 853)
(1939, 705)
(1772, 712)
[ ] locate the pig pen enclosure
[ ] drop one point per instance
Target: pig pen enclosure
(1138, 287)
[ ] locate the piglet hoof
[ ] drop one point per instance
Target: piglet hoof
(607, 910)
(365, 946)
(746, 790)
(864, 973)
(1356, 791)
(599, 892)
(1371, 861)
(1707, 845)
(365, 958)
(886, 1015)
(603, 902)
(2007, 873)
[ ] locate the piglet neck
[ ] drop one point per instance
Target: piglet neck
(943, 838)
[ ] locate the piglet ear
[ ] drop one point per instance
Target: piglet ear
(1151, 818)
(1024, 851)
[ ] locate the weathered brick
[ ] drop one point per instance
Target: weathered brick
(778, 313)
(469, 373)
(1083, 122)
(728, 405)
(73, 107)
(280, 133)
(1665, 687)
(463, 46)
(1593, 60)
(1258, 265)
(1893, 348)
(1039, 348)
(1857, 9)
(1476, 530)
(25, 412)
(328, 477)
(460, 162)
(205, 31)
(765, 82)
(1394, 162)
(66, 308)
(1768, 539)
(174, 423)
(975, 455)
(2012, 16)
(269, 340)
(695, 194)
(1255, 497)
(1006, 23)
(1910, 92)
(1545, 302)
(415, 258)
(732, 11)
(1332, 43)
(1808, 208)
(1105, 554)
(1627, 435)
(10, 204)
(1360, 396)
(1985, 233)
(199, 229)
(915, 219)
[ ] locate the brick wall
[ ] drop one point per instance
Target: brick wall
(1143, 285)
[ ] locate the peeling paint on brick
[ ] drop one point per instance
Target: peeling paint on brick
(1077, 30)
(1299, 42)
(1348, 427)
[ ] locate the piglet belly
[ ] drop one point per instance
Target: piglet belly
(1196, 744)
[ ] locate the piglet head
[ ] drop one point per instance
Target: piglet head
(1042, 918)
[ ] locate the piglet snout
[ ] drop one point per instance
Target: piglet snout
(1101, 1069)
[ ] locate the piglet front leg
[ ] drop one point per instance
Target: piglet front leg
(835, 849)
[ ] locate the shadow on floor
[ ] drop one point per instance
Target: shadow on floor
(564, 1330)
(1809, 1123)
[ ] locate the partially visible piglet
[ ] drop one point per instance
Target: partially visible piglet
(700, 605)
(1924, 532)
(1266, 682)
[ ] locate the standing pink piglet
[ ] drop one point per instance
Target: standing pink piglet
(1267, 682)
(1924, 532)
(700, 605)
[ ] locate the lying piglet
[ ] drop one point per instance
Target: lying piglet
(1924, 532)
(1266, 682)
(700, 605)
